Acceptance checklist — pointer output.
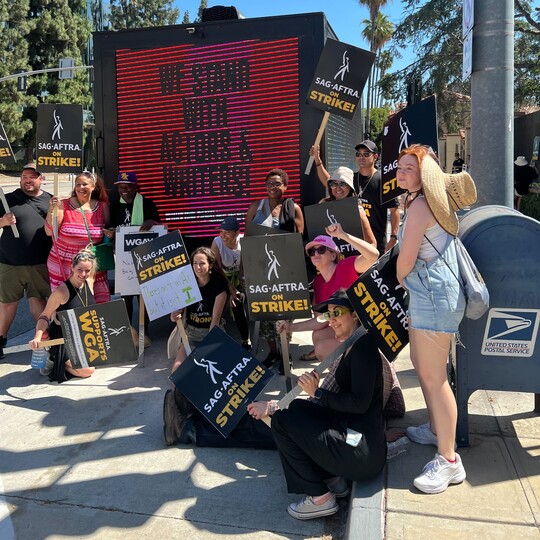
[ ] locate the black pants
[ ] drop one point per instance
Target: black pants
(240, 318)
(312, 448)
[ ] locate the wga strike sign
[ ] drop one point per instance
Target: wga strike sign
(165, 275)
(98, 335)
(59, 138)
(276, 279)
(381, 305)
(340, 77)
(414, 124)
(220, 378)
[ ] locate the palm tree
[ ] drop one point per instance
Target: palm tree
(384, 63)
(378, 31)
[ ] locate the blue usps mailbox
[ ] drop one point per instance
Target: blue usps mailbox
(501, 350)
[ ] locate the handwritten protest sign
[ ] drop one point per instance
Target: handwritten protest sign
(98, 335)
(344, 212)
(276, 279)
(220, 378)
(165, 275)
(342, 72)
(414, 124)
(381, 304)
(127, 238)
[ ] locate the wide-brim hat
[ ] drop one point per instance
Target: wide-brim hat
(127, 178)
(323, 240)
(446, 193)
(521, 161)
(339, 298)
(344, 174)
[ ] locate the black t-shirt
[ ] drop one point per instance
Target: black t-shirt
(523, 177)
(33, 245)
(121, 213)
(199, 314)
(457, 165)
(370, 189)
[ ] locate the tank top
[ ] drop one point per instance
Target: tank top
(77, 298)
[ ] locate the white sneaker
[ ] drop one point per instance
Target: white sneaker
(439, 473)
(422, 434)
(307, 509)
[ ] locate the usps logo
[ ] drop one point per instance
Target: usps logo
(511, 332)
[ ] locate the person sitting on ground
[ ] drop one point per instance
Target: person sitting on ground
(226, 249)
(77, 291)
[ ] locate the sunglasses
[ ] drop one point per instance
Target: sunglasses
(336, 312)
(321, 250)
(335, 184)
(363, 154)
(274, 184)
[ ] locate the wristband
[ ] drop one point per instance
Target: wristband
(393, 236)
(318, 164)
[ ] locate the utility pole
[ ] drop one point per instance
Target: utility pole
(492, 108)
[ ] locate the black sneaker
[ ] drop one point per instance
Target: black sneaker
(3, 343)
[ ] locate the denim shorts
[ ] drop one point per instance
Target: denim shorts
(436, 301)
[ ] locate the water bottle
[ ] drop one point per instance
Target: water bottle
(39, 358)
(398, 447)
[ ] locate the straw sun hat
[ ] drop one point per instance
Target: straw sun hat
(446, 193)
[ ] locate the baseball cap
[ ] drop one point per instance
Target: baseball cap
(323, 240)
(230, 224)
(127, 178)
(370, 145)
(32, 167)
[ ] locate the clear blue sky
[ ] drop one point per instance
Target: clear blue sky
(345, 16)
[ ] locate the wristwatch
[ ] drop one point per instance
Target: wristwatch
(318, 393)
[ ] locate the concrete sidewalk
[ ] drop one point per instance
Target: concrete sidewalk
(500, 497)
(86, 458)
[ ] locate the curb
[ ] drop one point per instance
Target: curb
(366, 508)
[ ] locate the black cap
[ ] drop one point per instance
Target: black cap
(370, 145)
(230, 224)
(31, 167)
(339, 298)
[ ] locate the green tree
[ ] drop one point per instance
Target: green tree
(185, 19)
(15, 26)
(379, 116)
(202, 5)
(59, 30)
(127, 14)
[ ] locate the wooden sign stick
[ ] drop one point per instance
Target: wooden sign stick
(55, 209)
(6, 209)
(318, 138)
(183, 335)
(140, 362)
(285, 360)
(41, 344)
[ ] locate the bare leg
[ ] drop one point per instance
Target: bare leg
(36, 305)
(7, 314)
(430, 351)
(180, 357)
(83, 373)
(324, 342)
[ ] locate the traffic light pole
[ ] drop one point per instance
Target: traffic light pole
(38, 71)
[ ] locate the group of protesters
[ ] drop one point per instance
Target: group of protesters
(337, 435)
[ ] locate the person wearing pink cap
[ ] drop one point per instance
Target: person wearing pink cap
(334, 272)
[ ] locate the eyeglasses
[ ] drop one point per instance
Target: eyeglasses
(334, 184)
(363, 154)
(274, 184)
(336, 312)
(321, 250)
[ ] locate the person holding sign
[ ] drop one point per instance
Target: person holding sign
(24, 249)
(81, 220)
(202, 316)
(338, 433)
(427, 268)
(340, 186)
(277, 213)
(129, 207)
(74, 292)
(367, 183)
(227, 251)
(334, 272)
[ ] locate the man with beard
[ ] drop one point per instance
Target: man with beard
(23, 268)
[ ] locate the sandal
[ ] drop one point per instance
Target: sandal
(309, 357)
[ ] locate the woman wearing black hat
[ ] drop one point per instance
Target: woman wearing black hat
(338, 434)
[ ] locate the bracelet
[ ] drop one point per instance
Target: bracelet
(43, 318)
(272, 407)
(393, 236)
(318, 164)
